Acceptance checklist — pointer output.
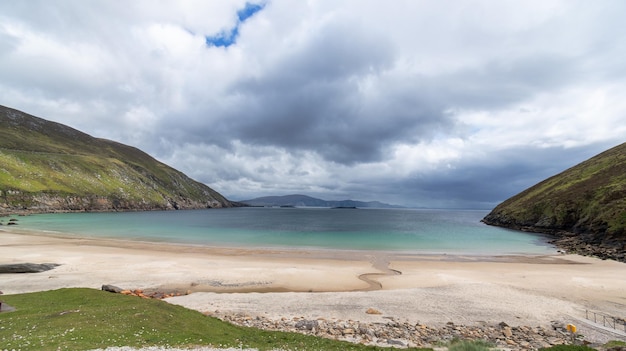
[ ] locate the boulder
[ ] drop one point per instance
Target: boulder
(27, 267)
(395, 342)
(111, 288)
(5, 308)
(307, 325)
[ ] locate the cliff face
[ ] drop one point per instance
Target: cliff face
(47, 166)
(584, 205)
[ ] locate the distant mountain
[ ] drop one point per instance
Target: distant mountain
(584, 205)
(47, 166)
(308, 201)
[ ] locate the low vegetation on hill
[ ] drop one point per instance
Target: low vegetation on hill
(584, 205)
(47, 166)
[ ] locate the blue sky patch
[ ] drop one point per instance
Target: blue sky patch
(228, 38)
(249, 11)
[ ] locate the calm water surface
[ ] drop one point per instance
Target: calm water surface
(407, 230)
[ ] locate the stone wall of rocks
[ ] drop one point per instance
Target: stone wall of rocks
(404, 334)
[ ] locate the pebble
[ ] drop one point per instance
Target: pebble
(392, 332)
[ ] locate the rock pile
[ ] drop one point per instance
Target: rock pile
(11, 221)
(141, 293)
(574, 244)
(405, 334)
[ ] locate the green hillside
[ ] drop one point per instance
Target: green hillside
(586, 202)
(47, 166)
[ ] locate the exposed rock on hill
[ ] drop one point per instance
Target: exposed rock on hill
(46, 166)
(584, 207)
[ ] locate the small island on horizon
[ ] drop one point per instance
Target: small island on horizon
(299, 200)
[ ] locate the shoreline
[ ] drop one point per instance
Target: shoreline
(562, 241)
(285, 251)
(341, 285)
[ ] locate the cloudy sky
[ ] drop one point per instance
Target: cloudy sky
(419, 103)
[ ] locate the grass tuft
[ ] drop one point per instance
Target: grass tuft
(469, 345)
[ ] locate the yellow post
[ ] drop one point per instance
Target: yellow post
(572, 329)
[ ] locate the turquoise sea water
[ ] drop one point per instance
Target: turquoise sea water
(407, 230)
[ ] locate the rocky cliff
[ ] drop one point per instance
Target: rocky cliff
(46, 166)
(584, 207)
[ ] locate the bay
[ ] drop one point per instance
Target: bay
(402, 230)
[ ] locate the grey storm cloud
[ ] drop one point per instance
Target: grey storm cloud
(315, 98)
(500, 83)
(482, 184)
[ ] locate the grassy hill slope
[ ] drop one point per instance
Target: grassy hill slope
(47, 166)
(586, 202)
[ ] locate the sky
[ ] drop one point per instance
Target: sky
(449, 104)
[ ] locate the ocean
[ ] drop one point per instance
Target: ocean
(401, 230)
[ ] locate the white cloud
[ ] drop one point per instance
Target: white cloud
(401, 101)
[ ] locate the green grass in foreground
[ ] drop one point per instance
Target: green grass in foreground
(465, 345)
(615, 344)
(83, 319)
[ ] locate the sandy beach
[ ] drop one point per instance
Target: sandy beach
(342, 285)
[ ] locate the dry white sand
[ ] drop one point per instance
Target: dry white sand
(519, 290)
